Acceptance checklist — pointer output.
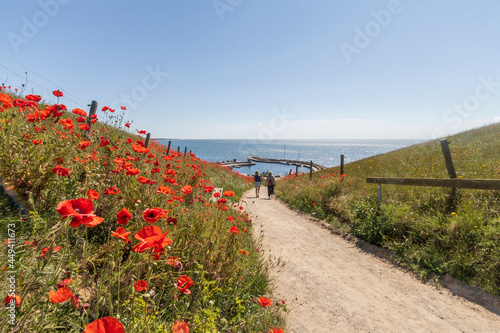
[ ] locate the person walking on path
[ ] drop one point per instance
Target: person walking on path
(257, 181)
(271, 182)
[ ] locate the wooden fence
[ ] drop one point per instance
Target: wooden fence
(452, 182)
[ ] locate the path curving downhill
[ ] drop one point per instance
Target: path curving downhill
(330, 285)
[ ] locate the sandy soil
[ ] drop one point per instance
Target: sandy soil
(330, 285)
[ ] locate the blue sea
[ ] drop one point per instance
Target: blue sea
(324, 152)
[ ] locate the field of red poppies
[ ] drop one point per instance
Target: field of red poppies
(121, 237)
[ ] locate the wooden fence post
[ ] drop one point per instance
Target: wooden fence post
(93, 109)
(341, 164)
(448, 159)
(296, 169)
(148, 136)
(311, 171)
(178, 149)
(451, 170)
(168, 148)
(379, 197)
(185, 150)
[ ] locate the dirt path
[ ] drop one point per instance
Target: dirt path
(330, 285)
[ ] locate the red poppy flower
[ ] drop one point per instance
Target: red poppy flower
(164, 189)
(143, 180)
(84, 127)
(132, 171)
(57, 93)
(172, 261)
(151, 215)
(60, 296)
(183, 283)
(104, 108)
(93, 194)
(129, 140)
(216, 194)
(171, 172)
(67, 123)
(81, 211)
(46, 249)
(75, 301)
(264, 301)
(79, 112)
(36, 142)
(234, 230)
(151, 237)
(140, 149)
(187, 189)
(141, 132)
(123, 216)
(122, 234)
(141, 285)
(33, 98)
(84, 144)
(127, 125)
(64, 283)
(180, 327)
(54, 109)
(105, 325)
(61, 171)
(172, 220)
(33, 117)
(112, 190)
(230, 218)
(20, 103)
(228, 193)
(16, 299)
(104, 142)
(123, 107)
(5, 99)
(276, 330)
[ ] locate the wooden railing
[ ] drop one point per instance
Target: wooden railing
(452, 182)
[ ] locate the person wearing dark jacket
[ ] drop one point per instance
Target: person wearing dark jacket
(271, 182)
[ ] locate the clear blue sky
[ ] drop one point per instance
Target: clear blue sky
(285, 69)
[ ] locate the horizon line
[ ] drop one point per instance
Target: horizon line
(256, 139)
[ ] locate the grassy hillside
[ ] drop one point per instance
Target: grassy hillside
(434, 234)
(119, 234)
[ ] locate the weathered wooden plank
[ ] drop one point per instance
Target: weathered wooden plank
(447, 158)
(341, 164)
(478, 184)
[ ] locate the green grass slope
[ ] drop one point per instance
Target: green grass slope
(434, 234)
